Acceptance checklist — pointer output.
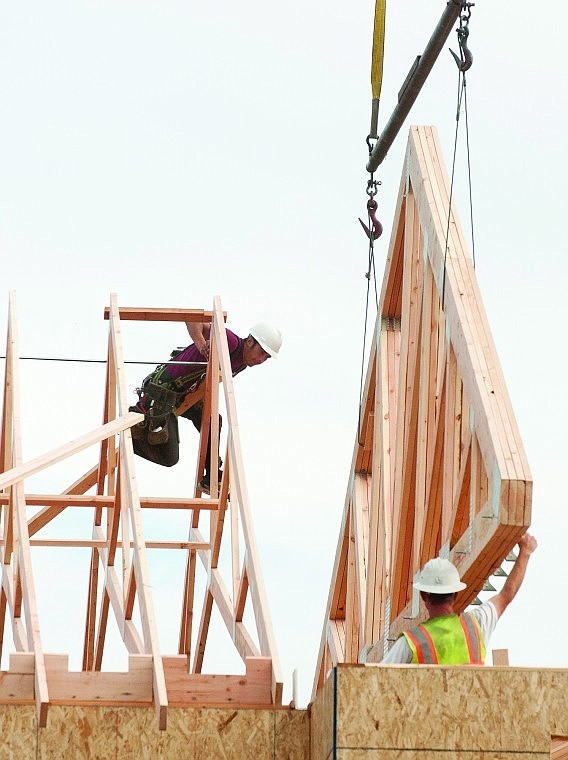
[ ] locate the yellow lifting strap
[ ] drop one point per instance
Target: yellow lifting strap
(377, 61)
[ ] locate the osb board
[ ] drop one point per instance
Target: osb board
(292, 739)
(427, 754)
(557, 688)
(321, 722)
(99, 733)
(18, 729)
(440, 709)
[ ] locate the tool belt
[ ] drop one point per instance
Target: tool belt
(160, 394)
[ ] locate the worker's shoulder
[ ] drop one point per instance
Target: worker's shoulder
(486, 615)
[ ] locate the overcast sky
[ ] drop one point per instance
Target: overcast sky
(172, 151)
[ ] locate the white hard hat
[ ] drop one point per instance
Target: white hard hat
(439, 576)
(269, 337)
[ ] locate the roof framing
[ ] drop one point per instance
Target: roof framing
(438, 466)
(119, 576)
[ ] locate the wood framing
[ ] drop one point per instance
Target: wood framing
(119, 582)
(438, 466)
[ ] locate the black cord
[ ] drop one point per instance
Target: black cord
(94, 361)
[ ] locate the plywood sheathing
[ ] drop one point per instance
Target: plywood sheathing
(422, 711)
(119, 576)
(438, 464)
(322, 714)
(100, 733)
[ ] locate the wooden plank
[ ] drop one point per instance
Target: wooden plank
(90, 621)
(360, 508)
(203, 630)
(161, 315)
(64, 500)
(390, 299)
(49, 513)
(242, 591)
(186, 623)
(101, 631)
(351, 605)
(26, 470)
(251, 689)
(130, 635)
(24, 556)
(405, 481)
(89, 543)
(257, 589)
(143, 584)
(424, 424)
(376, 570)
(243, 641)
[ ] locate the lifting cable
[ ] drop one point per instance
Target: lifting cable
(464, 62)
(373, 228)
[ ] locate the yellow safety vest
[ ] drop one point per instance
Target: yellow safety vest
(447, 640)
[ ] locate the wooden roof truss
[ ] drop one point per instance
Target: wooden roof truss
(119, 576)
(438, 466)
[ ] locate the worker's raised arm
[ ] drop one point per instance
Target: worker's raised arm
(200, 332)
(503, 599)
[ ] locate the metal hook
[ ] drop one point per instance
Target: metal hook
(377, 226)
(465, 58)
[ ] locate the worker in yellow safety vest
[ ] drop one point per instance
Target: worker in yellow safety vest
(447, 638)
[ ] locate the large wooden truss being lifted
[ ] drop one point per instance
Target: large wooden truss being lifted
(438, 466)
(119, 575)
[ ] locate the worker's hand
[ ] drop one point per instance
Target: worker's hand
(528, 543)
(204, 348)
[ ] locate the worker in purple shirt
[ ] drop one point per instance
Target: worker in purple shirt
(157, 437)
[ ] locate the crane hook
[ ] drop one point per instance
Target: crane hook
(377, 230)
(465, 58)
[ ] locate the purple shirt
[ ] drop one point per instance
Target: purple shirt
(192, 354)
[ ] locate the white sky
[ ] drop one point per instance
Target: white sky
(171, 151)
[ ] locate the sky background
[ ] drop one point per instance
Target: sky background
(172, 151)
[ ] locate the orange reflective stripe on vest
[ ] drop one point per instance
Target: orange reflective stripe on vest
(473, 639)
(425, 649)
(447, 640)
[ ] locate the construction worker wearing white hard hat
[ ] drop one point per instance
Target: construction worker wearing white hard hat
(446, 637)
(159, 442)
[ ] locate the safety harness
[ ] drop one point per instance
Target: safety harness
(161, 395)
